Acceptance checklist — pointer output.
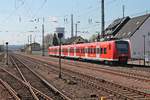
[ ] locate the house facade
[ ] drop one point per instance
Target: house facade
(140, 41)
(137, 31)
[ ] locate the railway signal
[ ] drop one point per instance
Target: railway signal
(6, 53)
(60, 33)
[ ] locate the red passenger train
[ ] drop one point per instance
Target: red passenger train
(107, 51)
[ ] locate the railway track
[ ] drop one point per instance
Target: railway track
(20, 88)
(37, 81)
(118, 91)
(131, 74)
(35, 92)
(6, 92)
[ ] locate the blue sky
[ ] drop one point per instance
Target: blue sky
(16, 16)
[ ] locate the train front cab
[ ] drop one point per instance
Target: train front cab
(122, 51)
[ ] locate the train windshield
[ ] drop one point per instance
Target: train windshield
(122, 47)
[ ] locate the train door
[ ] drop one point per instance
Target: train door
(68, 51)
(86, 52)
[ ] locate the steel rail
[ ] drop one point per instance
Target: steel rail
(10, 90)
(24, 79)
(107, 70)
(46, 82)
(116, 85)
(24, 83)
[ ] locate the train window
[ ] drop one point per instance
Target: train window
(109, 47)
(94, 50)
(89, 50)
(101, 50)
(69, 50)
(76, 50)
(86, 50)
(72, 50)
(105, 50)
(83, 50)
(97, 50)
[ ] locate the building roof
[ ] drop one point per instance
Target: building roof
(34, 43)
(131, 26)
(113, 28)
(116, 22)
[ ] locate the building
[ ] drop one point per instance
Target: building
(1, 48)
(137, 31)
(75, 40)
(33, 47)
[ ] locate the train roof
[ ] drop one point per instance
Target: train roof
(94, 43)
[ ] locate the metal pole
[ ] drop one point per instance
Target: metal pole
(123, 10)
(76, 26)
(103, 19)
(31, 43)
(7, 53)
(43, 38)
(144, 49)
(72, 25)
(60, 58)
(30, 39)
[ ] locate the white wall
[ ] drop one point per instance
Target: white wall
(137, 41)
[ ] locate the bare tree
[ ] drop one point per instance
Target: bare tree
(93, 38)
(48, 40)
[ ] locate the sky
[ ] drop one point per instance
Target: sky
(21, 18)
